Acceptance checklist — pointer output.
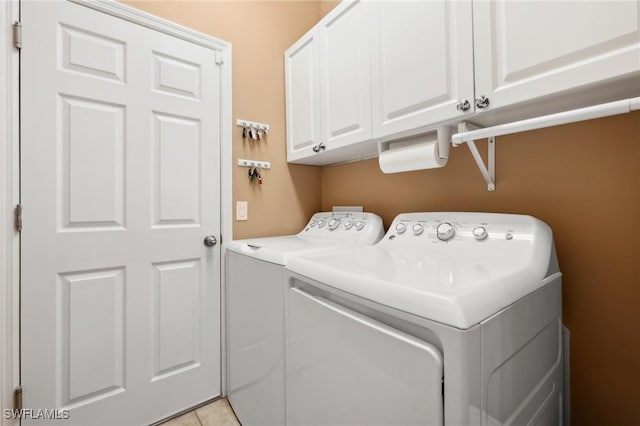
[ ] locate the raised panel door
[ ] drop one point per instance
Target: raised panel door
(120, 184)
(302, 87)
(422, 62)
(528, 49)
(345, 75)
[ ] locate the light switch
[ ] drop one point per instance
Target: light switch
(242, 210)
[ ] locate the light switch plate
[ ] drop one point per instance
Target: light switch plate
(242, 210)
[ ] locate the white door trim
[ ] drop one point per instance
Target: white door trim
(10, 173)
(136, 16)
(9, 197)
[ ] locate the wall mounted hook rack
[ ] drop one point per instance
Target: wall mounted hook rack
(254, 164)
(252, 125)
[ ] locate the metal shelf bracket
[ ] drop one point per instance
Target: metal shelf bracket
(488, 173)
(469, 133)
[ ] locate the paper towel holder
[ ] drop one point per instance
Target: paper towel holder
(442, 133)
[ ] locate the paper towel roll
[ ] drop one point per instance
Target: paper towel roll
(410, 154)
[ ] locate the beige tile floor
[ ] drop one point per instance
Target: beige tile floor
(218, 413)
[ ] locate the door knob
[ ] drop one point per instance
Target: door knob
(210, 241)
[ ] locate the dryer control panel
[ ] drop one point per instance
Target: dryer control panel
(365, 228)
(465, 228)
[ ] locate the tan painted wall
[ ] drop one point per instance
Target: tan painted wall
(326, 6)
(584, 181)
(260, 32)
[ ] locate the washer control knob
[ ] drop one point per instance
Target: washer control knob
(359, 225)
(401, 227)
(334, 223)
(348, 224)
(445, 231)
(417, 229)
(479, 233)
(321, 223)
(312, 223)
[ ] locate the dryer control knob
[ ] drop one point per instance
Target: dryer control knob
(348, 224)
(400, 228)
(479, 233)
(312, 223)
(445, 231)
(359, 225)
(417, 229)
(321, 223)
(334, 223)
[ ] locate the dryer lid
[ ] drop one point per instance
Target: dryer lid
(460, 282)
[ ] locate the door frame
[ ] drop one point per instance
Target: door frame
(10, 175)
(9, 198)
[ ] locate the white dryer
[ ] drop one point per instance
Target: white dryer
(256, 291)
(451, 319)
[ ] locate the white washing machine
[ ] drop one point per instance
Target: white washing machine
(451, 319)
(256, 291)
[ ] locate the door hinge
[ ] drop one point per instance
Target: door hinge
(17, 35)
(219, 59)
(17, 398)
(18, 217)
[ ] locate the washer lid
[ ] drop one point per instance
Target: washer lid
(459, 283)
(325, 231)
(280, 250)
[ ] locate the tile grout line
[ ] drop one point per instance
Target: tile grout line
(198, 417)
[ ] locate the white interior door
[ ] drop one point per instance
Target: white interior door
(120, 185)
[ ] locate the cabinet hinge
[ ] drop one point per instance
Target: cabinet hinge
(219, 59)
(18, 217)
(17, 398)
(17, 35)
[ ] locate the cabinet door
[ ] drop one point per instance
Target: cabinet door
(528, 49)
(302, 97)
(422, 64)
(345, 75)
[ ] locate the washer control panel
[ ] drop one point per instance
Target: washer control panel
(450, 228)
(345, 226)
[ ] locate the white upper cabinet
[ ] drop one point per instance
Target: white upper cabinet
(530, 49)
(422, 64)
(380, 70)
(345, 76)
(302, 85)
